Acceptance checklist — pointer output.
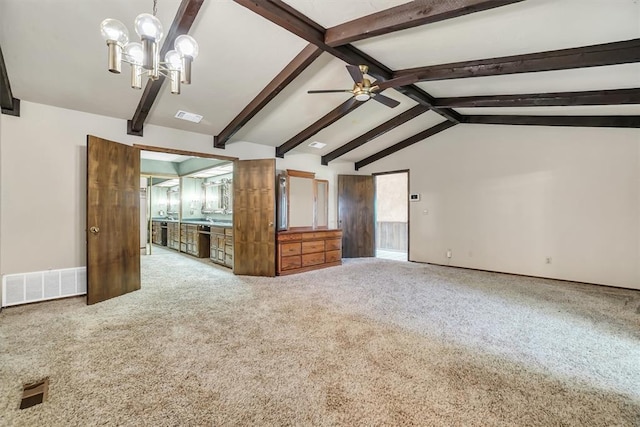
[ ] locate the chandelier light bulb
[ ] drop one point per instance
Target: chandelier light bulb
(115, 31)
(134, 52)
(186, 46)
(174, 59)
(148, 26)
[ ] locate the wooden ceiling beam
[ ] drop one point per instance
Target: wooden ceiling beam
(181, 24)
(331, 117)
(9, 104)
(574, 121)
(286, 17)
(595, 97)
(398, 120)
(408, 15)
(291, 20)
(621, 52)
(286, 76)
(422, 97)
(405, 143)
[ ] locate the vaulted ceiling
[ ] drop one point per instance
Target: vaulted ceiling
(447, 63)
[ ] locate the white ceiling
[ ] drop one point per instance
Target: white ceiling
(55, 55)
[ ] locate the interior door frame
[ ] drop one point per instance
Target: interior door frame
(408, 172)
(142, 147)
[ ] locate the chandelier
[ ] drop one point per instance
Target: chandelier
(144, 56)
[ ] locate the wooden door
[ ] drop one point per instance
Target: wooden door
(254, 237)
(113, 219)
(356, 215)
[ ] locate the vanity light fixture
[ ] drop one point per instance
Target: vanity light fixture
(144, 57)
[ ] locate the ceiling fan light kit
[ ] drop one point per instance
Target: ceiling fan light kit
(362, 89)
(144, 56)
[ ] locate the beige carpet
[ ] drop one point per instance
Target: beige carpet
(373, 342)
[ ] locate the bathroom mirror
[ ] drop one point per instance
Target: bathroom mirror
(173, 199)
(212, 197)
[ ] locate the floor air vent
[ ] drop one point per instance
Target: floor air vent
(34, 393)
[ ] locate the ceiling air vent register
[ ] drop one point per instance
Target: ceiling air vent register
(190, 117)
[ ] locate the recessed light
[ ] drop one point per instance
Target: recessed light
(316, 144)
(191, 117)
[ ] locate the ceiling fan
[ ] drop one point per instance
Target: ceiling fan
(362, 88)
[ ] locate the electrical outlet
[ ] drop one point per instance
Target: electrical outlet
(548, 260)
(449, 253)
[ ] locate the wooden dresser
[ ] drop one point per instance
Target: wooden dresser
(306, 250)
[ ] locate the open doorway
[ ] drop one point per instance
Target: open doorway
(186, 206)
(392, 215)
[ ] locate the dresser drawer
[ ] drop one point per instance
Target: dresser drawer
(312, 259)
(333, 244)
(290, 262)
(228, 231)
(333, 256)
(287, 249)
(312, 247)
(321, 235)
(289, 237)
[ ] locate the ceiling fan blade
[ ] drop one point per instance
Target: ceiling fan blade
(400, 81)
(391, 103)
(329, 91)
(355, 72)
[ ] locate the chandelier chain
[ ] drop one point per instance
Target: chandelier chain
(155, 7)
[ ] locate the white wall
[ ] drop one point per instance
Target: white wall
(504, 198)
(43, 175)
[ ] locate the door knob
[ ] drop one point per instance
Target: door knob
(94, 230)
(270, 224)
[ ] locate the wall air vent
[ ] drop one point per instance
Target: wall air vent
(191, 117)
